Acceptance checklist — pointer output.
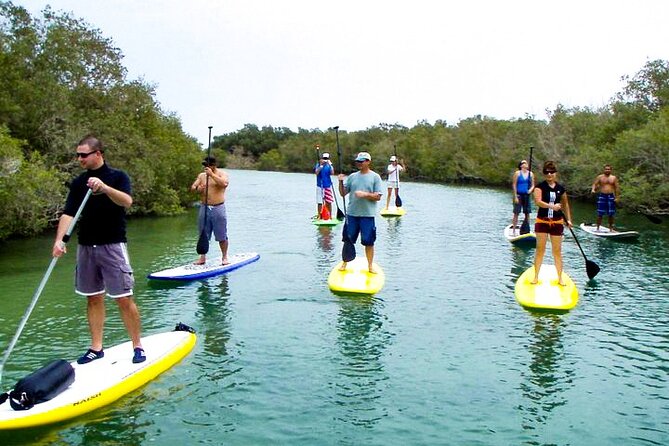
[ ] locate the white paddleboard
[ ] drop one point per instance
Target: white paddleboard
(605, 232)
(514, 236)
(104, 380)
(210, 269)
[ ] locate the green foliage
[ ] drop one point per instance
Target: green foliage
(28, 190)
(60, 79)
(272, 160)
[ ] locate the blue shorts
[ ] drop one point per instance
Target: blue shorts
(523, 204)
(217, 222)
(606, 204)
(103, 268)
(365, 226)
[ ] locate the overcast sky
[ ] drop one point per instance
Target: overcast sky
(357, 63)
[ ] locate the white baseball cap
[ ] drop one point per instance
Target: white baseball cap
(362, 156)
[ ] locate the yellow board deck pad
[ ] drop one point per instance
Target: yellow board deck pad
(547, 294)
(104, 380)
(392, 212)
(356, 279)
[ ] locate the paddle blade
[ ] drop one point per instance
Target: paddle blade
(202, 244)
(348, 250)
(525, 227)
(591, 268)
(398, 201)
(340, 214)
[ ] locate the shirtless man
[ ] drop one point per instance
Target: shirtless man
(216, 181)
(609, 192)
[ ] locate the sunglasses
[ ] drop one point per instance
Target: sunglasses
(85, 155)
(547, 172)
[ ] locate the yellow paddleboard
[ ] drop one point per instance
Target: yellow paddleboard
(356, 278)
(547, 294)
(104, 380)
(392, 212)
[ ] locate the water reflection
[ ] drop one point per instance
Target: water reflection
(213, 315)
(393, 226)
(549, 376)
(325, 238)
(521, 259)
(361, 341)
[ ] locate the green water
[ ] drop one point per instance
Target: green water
(442, 355)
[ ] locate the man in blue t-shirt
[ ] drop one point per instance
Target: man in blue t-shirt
(103, 265)
(365, 188)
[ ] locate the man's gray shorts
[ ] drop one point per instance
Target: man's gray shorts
(217, 222)
(104, 268)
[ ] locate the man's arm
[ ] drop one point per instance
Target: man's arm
(595, 185)
(58, 245)
(119, 198)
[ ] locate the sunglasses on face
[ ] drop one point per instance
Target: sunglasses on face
(548, 172)
(85, 155)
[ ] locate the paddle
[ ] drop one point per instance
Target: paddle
(348, 250)
(203, 242)
(525, 227)
(42, 284)
(591, 267)
(398, 200)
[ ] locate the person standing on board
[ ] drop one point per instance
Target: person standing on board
(393, 169)
(551, 199)
(609, 192)
(103, 265)
(365, 188)
(523, 185)
(217, 219)
(324, 170)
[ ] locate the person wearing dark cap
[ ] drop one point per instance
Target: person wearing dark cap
(103, 265)
(212, 184)
(365, 190)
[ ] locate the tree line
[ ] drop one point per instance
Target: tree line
(631, 132)
(60, 79)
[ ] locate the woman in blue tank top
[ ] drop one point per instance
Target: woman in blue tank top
(523, 185)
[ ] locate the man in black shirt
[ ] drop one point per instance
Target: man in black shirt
(103, 265)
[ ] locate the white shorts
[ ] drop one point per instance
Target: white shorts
(319, 195)
(393, 185)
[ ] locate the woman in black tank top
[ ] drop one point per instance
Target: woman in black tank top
(551, 200)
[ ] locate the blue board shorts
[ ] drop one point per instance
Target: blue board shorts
(104, 268)
(606, 205)
(217, 222)
(523, 204)
(365, 226)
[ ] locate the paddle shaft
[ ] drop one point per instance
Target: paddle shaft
(43, 282)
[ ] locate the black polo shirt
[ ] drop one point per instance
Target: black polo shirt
(102, 221)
